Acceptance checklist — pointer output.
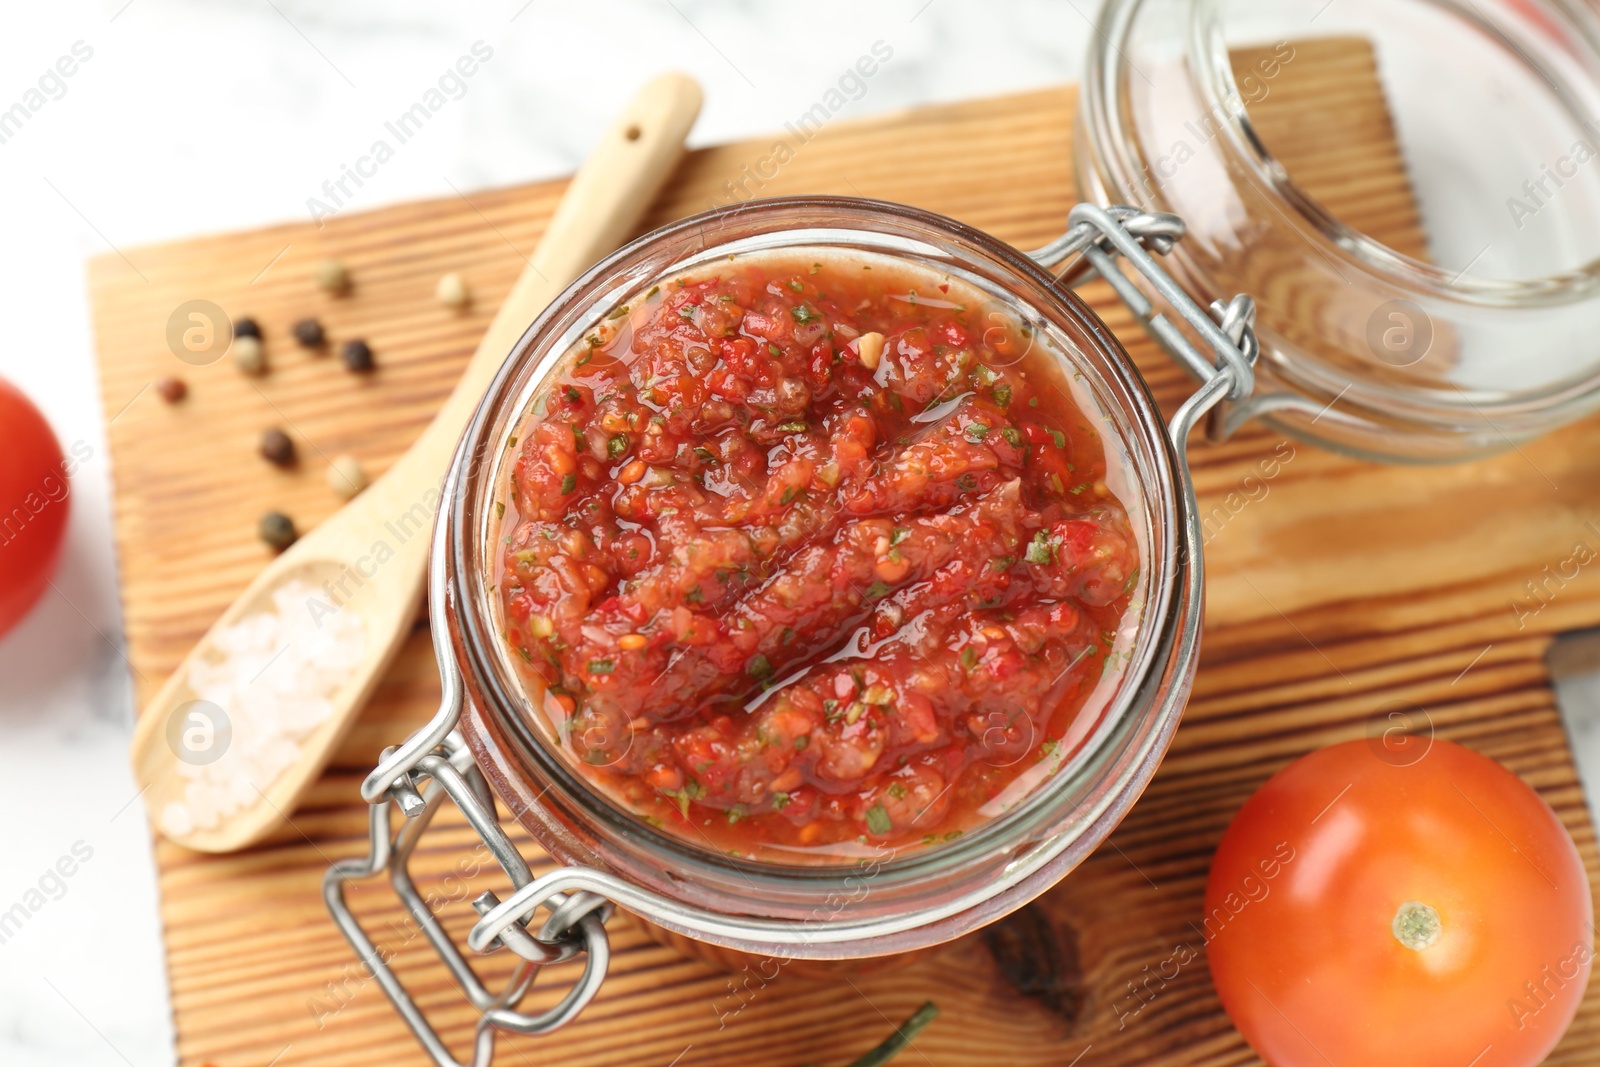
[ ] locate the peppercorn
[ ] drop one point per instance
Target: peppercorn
(172, 390)
(309, 333)
(346, 476)
(247, 355)
(277, 530)
(247, 327)
(357, 356)
(452, 291)
(332, 276)
(277, 448)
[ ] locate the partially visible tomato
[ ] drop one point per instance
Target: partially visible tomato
(33, 504)
(1363, 909)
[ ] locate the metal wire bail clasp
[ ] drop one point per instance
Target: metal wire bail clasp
(433, 764)
(1098, 235)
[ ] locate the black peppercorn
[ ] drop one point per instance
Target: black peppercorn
(309, 333)
(277, 448)
(246, 327)
(277, 530)
(357, 356)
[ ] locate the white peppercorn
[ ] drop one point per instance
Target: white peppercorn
(247, 355)
(452, 291)
(346, 476)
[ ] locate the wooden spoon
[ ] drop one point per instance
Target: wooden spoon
(601, 209)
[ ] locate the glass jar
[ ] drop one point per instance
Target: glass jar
(486, 739)
(1474, 325)
(936, 892)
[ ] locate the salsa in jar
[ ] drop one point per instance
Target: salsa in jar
(810, 553)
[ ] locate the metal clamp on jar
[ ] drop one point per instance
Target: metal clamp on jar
(481, 744)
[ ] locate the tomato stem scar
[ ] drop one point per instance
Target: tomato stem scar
(1415, 925)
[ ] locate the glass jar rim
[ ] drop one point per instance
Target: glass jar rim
(1135, 715)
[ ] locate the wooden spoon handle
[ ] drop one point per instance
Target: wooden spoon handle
(600, 209)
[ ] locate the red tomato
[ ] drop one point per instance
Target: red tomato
(1370, 905)
(33, 504)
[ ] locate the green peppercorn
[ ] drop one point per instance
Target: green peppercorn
(277, 530)
(332, 277)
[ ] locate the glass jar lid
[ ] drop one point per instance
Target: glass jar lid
(1409, 188)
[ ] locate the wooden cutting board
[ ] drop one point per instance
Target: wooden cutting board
(1338, 590)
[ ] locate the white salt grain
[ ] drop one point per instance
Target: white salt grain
(274, 674)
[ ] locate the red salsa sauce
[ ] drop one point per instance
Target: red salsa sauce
(811, 554)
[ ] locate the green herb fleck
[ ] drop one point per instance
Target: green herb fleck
(1042, 549)
(617, 445)
(758, 667)
(878, 820)
(977, 431)
(601, 666)
(877, 591)
(568, 484)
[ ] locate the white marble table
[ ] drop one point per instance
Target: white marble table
(191, 117)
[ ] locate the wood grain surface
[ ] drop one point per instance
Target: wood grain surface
(1338, 591)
